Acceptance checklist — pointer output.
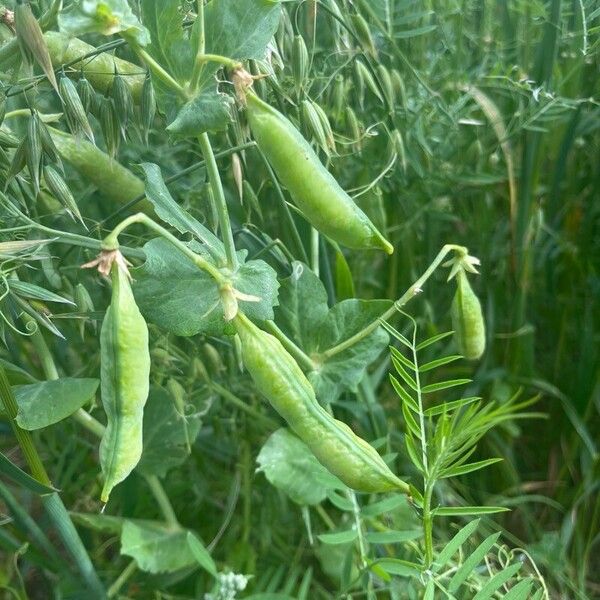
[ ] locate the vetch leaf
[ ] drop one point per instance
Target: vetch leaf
(396, 566)
(392, 537)
(468, 468)
(520, 591)
(497, 581)
(339, 537)
(447, 407)
(443, 385)
(393, 503)
(48, 402)
(471, 562)
(454, 544)
(461, 511)
(433, 339)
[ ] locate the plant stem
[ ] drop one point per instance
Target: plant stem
(163, 501)
(410, 293)
(233, 399)
(362, 546)
(160, 72)
(428, 524)
(289, 345)
(127, 572)
(111, 242)
(199, 63)
(214, 180)
(52, 502)
(314, 250)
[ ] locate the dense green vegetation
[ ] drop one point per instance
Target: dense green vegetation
(324, 419)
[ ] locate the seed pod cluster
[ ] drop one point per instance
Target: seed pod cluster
(467, 319)
(60, 190)
(74, 109)
(120, 93)
(299, 63)
(111, 127)
(147, 108)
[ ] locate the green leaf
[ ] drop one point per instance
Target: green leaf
(433, 340)
(48, 402)
(408, 399)
(468, 468)
(201, 554)
(471, 562)
(450, 406)
(98, 522)
(396, 566)
(289, 465)
(393, 503)
(168, 45)
(454, 544)
(167, 434)
(209, 111)
(497, 581)
(106, 17)
(461, 511)
(520, 591)
(392, 537)
(429, 590)
(339, 537)
(12, 472)
(434, 364)
(305, 317)
(156, 548)
(443, 385)
(240, 29)
(35, 292)
(175, 294)
(173, 214)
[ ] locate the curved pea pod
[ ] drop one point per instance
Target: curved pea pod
(279, 378)
(313, 188)
(467, 319)
(124, 378)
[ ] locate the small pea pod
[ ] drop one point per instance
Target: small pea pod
(125, 370)
(279, 378)
(313, 188)
(467, 319)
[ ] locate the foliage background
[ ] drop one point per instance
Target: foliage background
(499, 152)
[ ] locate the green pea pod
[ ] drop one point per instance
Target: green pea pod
(467, 319)
(313, 188)
(279, 378)
(125, 370)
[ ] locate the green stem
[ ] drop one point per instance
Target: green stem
(86, 420)
(199, 63)
(68, 534)
(23, 437)
(303, 358)
(120, 581)
(163, 501)
(52, 502)
(428, 525)
(362, 545)
(216, 185)
(111, 242)
(410, 293)
(161, 73)
(314, 250)
(237, 402)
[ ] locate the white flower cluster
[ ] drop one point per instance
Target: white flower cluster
(228, 585)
